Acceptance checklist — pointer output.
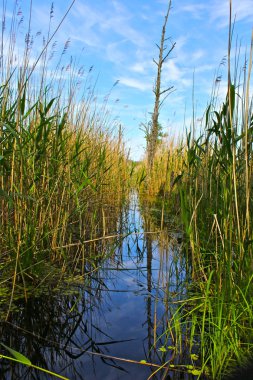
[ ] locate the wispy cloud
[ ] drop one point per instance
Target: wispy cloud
(217, 11)
(242, 9)
(116, 52)
(85, 25)
(120, 25)
(143, 66)
(93, 24)
(135, 83)
(172, 71)
(138, 67)
(196, 10)
(119, 39)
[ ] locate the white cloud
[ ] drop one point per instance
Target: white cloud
(217, 11)
(171, 71)
(176, 76)
(115, 52)
(195, 9)
(200, 53)
(84, 27)
(137, 84)
(95, 23)
(242, 9)
(120, 25)
(138, 67)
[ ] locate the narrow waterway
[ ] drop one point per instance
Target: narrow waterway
(101, 325)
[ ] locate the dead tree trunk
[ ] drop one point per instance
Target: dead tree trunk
(153, 132)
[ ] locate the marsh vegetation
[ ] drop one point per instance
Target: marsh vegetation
(115, 268)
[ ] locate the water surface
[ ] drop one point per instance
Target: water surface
(119, 310)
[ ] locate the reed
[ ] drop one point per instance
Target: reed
(214, 181)
(64, 169)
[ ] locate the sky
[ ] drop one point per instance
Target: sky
(117, 39)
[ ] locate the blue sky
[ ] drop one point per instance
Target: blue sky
(118, 37)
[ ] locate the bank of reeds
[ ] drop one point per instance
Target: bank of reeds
(214, 184)
(63, 164)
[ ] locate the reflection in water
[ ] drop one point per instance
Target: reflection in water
(120, 311)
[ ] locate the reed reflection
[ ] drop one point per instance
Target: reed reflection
(92, 324)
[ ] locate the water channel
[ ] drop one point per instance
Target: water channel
(102, 327)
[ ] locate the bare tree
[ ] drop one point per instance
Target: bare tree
(160, 94)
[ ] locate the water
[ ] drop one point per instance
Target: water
(91, 329)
